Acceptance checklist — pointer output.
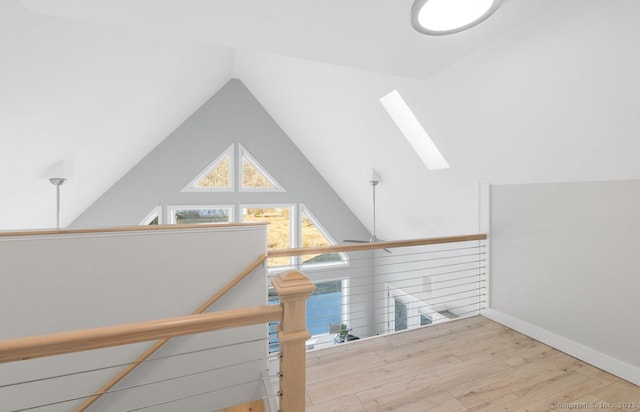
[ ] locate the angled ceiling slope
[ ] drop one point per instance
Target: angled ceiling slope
(535, 85)
(92, 96)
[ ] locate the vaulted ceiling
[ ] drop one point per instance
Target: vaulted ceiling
(543, 91)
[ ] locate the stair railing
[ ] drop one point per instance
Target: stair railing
(374, 245)
(293, 288)
(156, 346)
(371, 289)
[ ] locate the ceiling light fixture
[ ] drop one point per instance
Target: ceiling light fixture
(438, 17)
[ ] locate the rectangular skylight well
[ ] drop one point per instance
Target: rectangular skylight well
(413, 131)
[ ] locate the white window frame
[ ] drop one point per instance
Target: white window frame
(344, 309)
(293, 226)
(191, 187)
(415, 308)
(328, 338)
(303, 209)
(155, 212)
(413, 316)
(242, 152)
(346, 300)
(171, 212)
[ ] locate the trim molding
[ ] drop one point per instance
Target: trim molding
(593, 357)
(198, 226)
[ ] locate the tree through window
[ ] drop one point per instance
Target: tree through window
(313, 235)
(217, 176)
(254, 177)
(279, 229)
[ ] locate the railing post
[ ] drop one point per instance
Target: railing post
(294, 289)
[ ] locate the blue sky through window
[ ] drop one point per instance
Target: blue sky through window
(324, 306)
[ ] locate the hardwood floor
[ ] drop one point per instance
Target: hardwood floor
(255, 406)
(472, 364)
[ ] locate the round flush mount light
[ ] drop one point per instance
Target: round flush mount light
(438, 17)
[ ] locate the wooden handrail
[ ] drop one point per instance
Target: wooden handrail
(206, 305)
(104, 337)
(157, 345)
(371, 246)
(140, 228)
(292, 287)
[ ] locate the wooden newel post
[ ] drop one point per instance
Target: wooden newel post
(294, 289)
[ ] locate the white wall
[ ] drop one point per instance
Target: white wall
(73, 281)
(564, 268)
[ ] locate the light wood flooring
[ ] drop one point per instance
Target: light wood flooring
(472, 364)
(255, 406)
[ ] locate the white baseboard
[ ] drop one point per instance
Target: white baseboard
(598, 359)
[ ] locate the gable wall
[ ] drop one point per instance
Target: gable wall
(233, 115)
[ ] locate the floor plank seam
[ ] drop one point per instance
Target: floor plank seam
(480, 365)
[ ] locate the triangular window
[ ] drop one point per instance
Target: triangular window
(314, 235)
(153, 218)
(254, 177)
(218, 176)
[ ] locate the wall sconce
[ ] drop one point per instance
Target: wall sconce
(62, 168)
(57, 182)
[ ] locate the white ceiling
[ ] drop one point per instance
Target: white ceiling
(544, 90)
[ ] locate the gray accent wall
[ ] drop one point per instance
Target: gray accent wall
(232, 115)
(564, 268)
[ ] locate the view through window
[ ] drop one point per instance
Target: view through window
(254, 176)
(204, 215)
(314, 236)
(218, 176)
(278, 231)
(324, 306)
(290, 225)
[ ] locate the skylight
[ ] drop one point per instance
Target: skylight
(450, 16)
(413, 131)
